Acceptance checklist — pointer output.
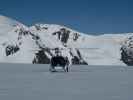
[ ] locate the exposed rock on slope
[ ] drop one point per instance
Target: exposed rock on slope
(127, 51)
(36, 44)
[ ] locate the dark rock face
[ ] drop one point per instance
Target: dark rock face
(41, 58)
(63, 35)
(75, 60)
(39, 27)
(126, 57)
(58, 34)
(127, 52)
(11, 49)
(78, 59)
(75, 36)
(22, 31)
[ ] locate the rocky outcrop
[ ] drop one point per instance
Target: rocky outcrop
(41, 58)
(63, 35)
(11, 49)
(127, 51)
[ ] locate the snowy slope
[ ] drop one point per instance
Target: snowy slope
(95, 50)
(22, 44)
(104, 49)
(12, 36)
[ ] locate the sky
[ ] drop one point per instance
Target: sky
(88, 16)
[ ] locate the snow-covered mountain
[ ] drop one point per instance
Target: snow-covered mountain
(35, 44)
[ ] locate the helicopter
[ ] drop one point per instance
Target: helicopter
(58, 60)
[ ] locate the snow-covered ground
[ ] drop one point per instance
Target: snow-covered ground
(35, 82)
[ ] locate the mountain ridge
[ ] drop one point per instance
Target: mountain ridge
(23, 44)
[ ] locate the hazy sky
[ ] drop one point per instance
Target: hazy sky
(89, 16)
